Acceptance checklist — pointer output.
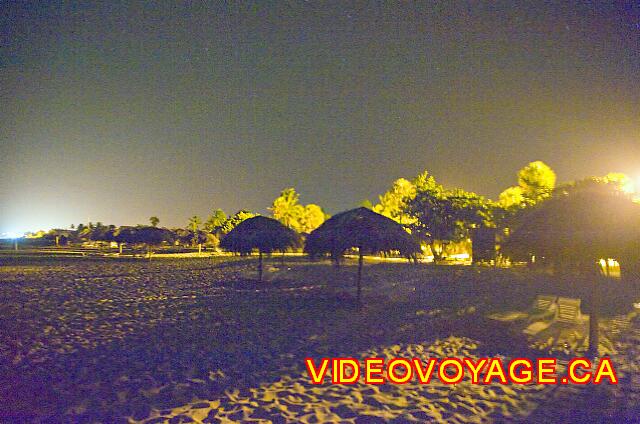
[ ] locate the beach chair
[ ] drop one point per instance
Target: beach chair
(542, 314)
(569, 311)
(543, 306)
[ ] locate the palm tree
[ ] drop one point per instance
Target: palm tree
(194, 226)
(262, 233)
(215, 221)
(154, 220)
(369, 231)
(286, 208)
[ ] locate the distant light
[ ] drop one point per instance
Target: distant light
(629, 186)
(610, 267)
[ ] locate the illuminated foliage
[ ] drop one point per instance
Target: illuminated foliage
(194, 223)
(194, 226)
(613, 183)
(60, 236)
(215, 220)
(537, 181)
(286, 208)
(511, 198)
(425, 182)
(620, 180)
(392, 203)
(366, 203)
(233, 221)
(303, 219)
(312, 218)
(445, 216)
(188, 237)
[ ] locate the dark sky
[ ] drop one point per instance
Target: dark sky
(115, 112)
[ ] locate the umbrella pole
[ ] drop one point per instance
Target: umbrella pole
(260, 265)
(593, 319)
(359, 279)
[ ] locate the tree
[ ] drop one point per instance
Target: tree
(441, 217)
(511, 198)
(153, 236)
(302, 219)
(154, 220)
(235, 220)
(621, 181)
(194, 228)
(187, 237)
(612, 183)
(194, 223)
(366, 203)
(426, 182)
(393, 202)
(125, 234)
(59, 236)
(83, 231)
(215, 221)
(312, 217)
(102, 232)
(537, 181)
(286, 209)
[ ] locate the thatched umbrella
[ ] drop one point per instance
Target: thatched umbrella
(370, 232)
(150, 236)
(579, 229)
(262, 233)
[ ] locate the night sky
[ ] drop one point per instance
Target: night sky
(114, 112)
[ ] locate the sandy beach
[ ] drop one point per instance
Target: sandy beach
(196, 340)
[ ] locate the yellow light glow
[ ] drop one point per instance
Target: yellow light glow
(629, 186)
(610, 267)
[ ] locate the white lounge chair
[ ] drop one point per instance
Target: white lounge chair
(544, 311)
(567, 311)
(543, 305)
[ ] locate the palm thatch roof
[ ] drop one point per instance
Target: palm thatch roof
(579, 228)
(585, 224)
(262, 233)
(143, 234)
(361, 228)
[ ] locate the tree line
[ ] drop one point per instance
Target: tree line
(436, 215)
